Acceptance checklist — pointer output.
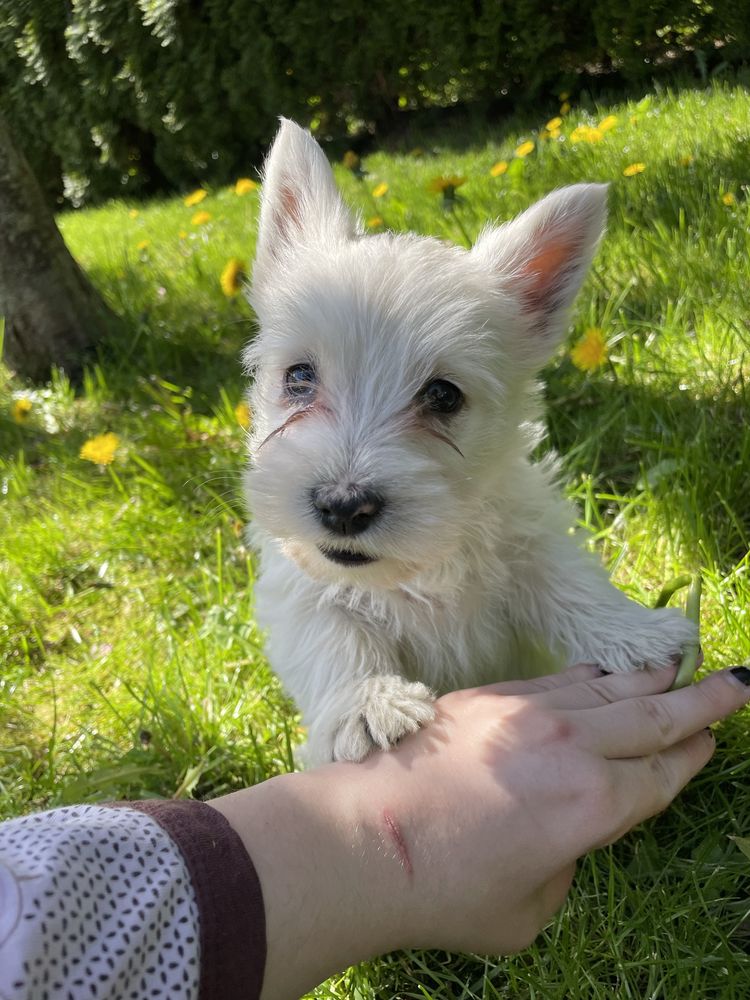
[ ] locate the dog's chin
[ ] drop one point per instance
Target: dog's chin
(330, 564)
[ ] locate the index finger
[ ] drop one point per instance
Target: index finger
(577, 674)
(641, 726)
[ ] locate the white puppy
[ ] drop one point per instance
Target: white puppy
(408, 543)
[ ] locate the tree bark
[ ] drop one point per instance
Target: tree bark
(53, 315)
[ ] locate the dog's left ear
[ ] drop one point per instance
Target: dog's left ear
(300, 202)
(540, 259)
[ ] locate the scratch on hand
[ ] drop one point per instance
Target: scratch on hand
(398, 841)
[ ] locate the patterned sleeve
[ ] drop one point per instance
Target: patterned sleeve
(128, 902)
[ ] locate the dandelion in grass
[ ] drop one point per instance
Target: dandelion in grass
(728, 199)
(499, 168)
(608, 123)
(200, 218)
(586, 133)
(21, 409)
(590, 352)
(143, 245)
(243, 415)
(553, 123)
(442, 184)
(380, 190)
(244, 186)
(524, 149)
(352, 162)
(182, 234)
(232, 277)
(564, 107)
(633, 169)
(447, 186)
(195, 198)
(100, 449)
(133, 213)
(374, 222)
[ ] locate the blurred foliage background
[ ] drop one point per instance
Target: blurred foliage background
(132, 97)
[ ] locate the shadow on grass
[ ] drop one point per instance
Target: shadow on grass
(690, 453)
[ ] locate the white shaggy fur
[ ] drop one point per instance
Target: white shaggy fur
(475, 575)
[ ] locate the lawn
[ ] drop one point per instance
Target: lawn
(129, 661)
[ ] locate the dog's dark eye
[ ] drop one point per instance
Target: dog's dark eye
(442, 396)
(300, 381)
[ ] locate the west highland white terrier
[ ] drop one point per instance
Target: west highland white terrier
(408, 543)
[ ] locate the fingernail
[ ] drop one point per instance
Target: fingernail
(742, 674)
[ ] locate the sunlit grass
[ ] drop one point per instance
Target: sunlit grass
(130, 664)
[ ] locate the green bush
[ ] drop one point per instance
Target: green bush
(137, 96)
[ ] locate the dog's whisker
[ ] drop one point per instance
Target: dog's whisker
(293, 418)
(444, 438)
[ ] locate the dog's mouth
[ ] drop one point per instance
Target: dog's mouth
(345, 558)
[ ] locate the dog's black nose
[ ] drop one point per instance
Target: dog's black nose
(347, 510)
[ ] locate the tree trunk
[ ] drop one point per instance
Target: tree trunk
(52, 313)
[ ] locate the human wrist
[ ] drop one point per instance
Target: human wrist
(332, 893)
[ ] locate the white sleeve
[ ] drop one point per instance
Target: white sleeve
(95, 902)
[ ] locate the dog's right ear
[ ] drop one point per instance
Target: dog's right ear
(300, 202)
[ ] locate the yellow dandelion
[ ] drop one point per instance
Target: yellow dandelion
(182, 234)
(633, 169)
(133, 213)
(374, 221)
(350, 160)
(243, 415)
(100, 449)
(244, 186)
(443, 185)
(200, 218)
(232, 277)
(143, 245)
(608, 123)
(525, 148)
(195, 198)
(553, 123)
(380, 190)
(499, 168)
(686, 160)
(554, 133)
(590, 352)
(585, 133)
(564, 108)
(728, 198)
(21, 409)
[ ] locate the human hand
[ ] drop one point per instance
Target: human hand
(513, 782)
(465, 835)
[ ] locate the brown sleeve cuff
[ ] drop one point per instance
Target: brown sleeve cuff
(228, 893)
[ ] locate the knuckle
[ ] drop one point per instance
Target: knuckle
(658, 712)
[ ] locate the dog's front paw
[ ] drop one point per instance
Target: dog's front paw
(646, 638)
(390, 707)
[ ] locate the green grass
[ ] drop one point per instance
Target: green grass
(130, 665)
